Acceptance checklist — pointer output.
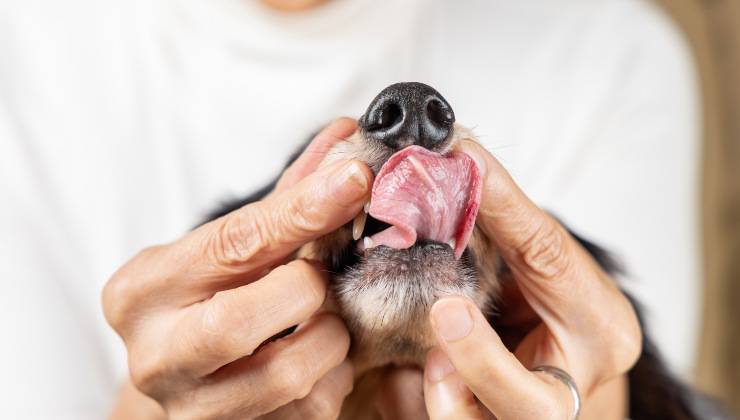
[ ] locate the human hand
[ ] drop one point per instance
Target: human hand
(563, 311)
(587, 327)
(194, 313)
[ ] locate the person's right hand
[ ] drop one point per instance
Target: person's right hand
(193, 313)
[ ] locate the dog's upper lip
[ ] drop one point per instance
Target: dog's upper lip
(424, 195)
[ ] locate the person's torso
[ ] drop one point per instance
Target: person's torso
(133, 119)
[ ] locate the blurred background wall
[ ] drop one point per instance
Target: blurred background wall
(712, 28)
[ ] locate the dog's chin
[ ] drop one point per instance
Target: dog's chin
(386, 295)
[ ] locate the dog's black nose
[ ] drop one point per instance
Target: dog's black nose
(408, 113)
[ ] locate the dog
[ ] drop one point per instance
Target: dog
(384, 290)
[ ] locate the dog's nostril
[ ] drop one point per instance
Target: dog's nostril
(436, 121)
(440, 114)
(384, 117)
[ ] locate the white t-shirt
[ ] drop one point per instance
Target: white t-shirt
(123, 122)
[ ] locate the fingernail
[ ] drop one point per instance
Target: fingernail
(438, 365)
(350, 183)
(451, 318)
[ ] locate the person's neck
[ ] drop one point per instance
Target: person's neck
(293, 5)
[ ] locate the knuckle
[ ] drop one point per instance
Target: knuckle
(202, 403)
(545, 251)
(220, 318)
(242, 235)
(116, 296)
(194, 412)
(333, 330)
(550, 401)
(487, 368)
(627, 345)
(239, 237)
(304, 291)
(293, 270)
(122, 293)
(628, 355)
(146, 371)
(551, 408)
(289, 377)
(207, 413)
(320, 406)
(621, 344)
(340, 334)
(301, 217)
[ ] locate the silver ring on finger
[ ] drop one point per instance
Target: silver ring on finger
(565, 378)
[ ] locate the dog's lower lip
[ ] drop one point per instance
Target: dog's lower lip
(418, 244)
(365, 245)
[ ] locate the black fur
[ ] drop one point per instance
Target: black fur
(654, 393)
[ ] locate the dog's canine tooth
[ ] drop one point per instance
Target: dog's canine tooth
(366, 207)
(452, 243)
(358, 226)
(368, 242)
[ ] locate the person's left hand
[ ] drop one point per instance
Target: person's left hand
(584, 324)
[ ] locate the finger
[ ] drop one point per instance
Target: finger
(240, 246)
(531, 241)
(315, 152)
(494, 374)
(400, 395)
(252, 237)
(561, 282)
(445, 392)
(321, 204)
(325, 399)
(235, 322)
(283, 371)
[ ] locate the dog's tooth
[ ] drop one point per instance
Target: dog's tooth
(366, 207)
(358, 226)
(368, 242)
(452, 243)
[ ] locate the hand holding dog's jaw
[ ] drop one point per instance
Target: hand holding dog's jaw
(587, 326)
(193, 312)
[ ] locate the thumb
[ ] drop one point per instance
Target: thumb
(493, 373)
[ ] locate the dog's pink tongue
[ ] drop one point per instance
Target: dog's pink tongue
(425, 195)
